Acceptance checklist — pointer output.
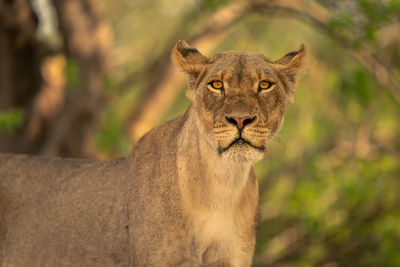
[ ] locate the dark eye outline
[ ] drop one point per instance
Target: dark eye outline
(214, 88)
(268, 89)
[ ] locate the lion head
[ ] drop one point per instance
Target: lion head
(240, 97)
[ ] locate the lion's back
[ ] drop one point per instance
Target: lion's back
(53, 209)
(27, 177)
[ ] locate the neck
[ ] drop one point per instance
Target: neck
(206, 179)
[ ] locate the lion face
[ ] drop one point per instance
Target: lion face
(240, 97)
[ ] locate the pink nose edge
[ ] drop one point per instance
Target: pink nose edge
(240, 121)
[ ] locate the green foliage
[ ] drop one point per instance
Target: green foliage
(357, 84)
(11, 120)
(343, 21)
(215, 4)
(111, 139)
(71, 73)
(361, 19)
(108, 83)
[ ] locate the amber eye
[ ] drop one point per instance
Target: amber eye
(265, 86)
(217, 85)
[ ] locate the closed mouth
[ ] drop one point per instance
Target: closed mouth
(238, 141)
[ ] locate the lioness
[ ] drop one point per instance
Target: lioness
(187, 196)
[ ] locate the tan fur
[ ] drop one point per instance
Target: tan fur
(187, 196)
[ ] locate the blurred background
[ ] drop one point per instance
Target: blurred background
(87, 78)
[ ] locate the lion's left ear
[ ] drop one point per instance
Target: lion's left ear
(188, 58)
(289, 67)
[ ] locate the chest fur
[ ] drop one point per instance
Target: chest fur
(222, 237)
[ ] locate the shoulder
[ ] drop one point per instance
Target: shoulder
(159, 136)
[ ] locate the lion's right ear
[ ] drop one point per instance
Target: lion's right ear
(188, 58)
(289, 67)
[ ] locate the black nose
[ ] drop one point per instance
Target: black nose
(240, 122)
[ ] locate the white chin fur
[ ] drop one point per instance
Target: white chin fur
(242, 154)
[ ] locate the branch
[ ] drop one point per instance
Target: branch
(364, 54)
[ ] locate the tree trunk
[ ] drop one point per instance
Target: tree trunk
(87, 40)
(20, 78)
(60, 114)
